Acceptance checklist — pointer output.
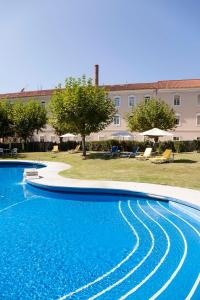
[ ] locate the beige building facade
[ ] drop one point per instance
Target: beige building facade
(182, 95)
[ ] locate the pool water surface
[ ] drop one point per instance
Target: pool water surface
(73, 246)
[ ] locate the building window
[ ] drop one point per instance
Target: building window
(178, 120)
(42, 138)
(116, 120)
(117, 101)
(198, 100)
(176, 138)
(198, 119)
(177, 100)
(147, 98)
(131, 101)
(43, 103)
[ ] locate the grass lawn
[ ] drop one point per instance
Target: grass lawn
(184, 172)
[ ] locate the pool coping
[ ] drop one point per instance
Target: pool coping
(51, 180)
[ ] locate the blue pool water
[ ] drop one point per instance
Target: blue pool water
(72, 246)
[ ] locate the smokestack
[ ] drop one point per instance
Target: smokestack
(96, 75)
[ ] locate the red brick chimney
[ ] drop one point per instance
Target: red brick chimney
(96, 75)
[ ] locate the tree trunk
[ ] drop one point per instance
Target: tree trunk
(83, 145)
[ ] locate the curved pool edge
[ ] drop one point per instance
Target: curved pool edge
(51, 180)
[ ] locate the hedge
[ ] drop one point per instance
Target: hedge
(176, 146)
(39, 146)
(126, 146)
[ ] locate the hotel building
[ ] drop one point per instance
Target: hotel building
(182, 95)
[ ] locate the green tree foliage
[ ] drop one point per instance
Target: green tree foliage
(28, 117)
(150, 114)
(6, 125)
(80, 108)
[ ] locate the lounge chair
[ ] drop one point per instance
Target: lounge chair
(14, 152)
(76, 150)
(165, 157)
(114, 152)
(1, 152)
(134, 152)
(145, 155)
(55, 149)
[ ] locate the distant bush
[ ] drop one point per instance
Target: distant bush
(176, 146)
(40, 146)
(126, 146)
(123, 145)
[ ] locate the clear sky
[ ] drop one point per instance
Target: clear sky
(44, 41)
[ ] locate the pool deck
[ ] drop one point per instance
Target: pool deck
(50, 179)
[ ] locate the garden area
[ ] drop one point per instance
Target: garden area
(183, 172)
(81, 109)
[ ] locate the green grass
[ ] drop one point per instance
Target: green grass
(184, 172)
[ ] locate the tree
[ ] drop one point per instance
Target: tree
(6, 126)
(150, 114)
(28, 117)
(80, 108)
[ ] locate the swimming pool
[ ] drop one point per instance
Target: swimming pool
(79, 246)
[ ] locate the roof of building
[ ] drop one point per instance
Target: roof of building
(164, 84)
(27, 94)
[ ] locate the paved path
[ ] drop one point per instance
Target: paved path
(51, 179)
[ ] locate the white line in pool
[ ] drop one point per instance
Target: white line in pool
(137, 266)
(167, 283)
(187, 212)
(6, 208)
(188, 223)
(157, 266)
(194, 229)
(116, 267)
(191, 293)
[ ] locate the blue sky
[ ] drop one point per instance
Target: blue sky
(44, 41)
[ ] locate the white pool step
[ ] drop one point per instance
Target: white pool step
(31, 173)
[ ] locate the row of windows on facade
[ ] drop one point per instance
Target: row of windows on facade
(178, 119)
(179, 138)
(117, 120)
(53, 138)
(132, 100)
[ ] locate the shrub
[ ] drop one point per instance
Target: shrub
(126, 146)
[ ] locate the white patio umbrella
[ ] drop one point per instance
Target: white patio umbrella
(156, 132)
(68, 135)
(122, 134)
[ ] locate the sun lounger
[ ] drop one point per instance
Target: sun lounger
(113, 153)
(165, 157)
(1, 152)
(131, 154)
(145, 155)
(14, 152)
(75, 150)
(55, 149)
(134, 152)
